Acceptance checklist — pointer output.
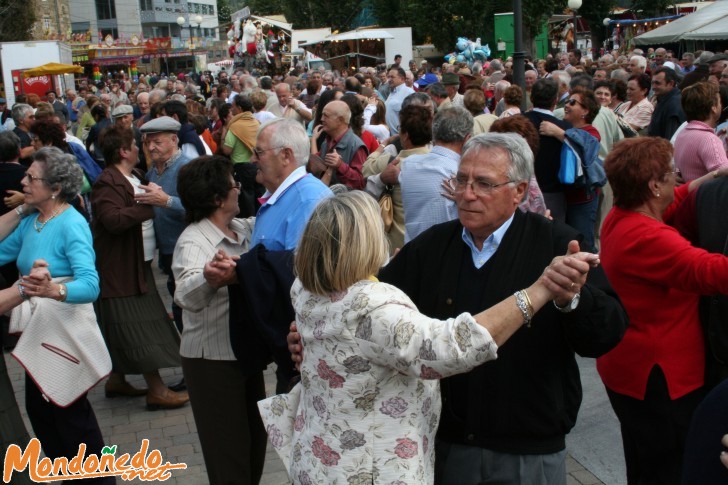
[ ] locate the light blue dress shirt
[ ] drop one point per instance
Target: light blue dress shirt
(490, 246)
(420, 179)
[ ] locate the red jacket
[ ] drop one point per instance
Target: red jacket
(659, 277)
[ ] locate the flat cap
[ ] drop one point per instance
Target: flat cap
(718, 57)
(161, 125)
(450, 79)
(122, 110)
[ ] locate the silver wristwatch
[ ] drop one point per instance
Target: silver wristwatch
(571, 306)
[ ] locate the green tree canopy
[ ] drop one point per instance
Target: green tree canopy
(16, 20)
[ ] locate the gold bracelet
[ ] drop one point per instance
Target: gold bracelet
(528, 302)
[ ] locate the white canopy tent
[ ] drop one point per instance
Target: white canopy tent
(356, 35)
(275, 22)
(708, 23)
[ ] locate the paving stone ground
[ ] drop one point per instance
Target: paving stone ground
(125, 422)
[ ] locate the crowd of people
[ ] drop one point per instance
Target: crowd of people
(578, 214)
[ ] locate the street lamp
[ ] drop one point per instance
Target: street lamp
(575, 5)
(519, 56)
(606, 33)
(195, 21)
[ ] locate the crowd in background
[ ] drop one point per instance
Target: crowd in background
(172, 168)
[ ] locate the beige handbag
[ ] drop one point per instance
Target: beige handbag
(387, 207)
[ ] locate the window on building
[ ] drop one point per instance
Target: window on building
(145, 5)
(46, 23)
(105, 9)
(113, 32)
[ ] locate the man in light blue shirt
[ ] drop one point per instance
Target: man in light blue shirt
(421, 176)
(291, 194)
(398, 90)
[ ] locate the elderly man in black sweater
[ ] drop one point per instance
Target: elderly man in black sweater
(505, 422)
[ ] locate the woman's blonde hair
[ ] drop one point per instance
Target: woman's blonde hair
(342, 243)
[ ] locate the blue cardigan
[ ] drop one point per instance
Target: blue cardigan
(65, 243)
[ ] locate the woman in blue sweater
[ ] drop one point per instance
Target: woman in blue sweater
(60, 235)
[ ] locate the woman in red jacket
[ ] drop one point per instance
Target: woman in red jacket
(654, 377)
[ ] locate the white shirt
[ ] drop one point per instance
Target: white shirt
(148, 237)
(206, 333)
(394, 105)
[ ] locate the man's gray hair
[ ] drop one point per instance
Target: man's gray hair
(157, 96)
(705, 57)
(60, 170)
(520, 153)
(452, 124)
(563, 78)
(501, 86)
(249, 82)
(20, 111)
(581, 79)
(496, 65)
(641, 61)
(437, 89)
(620, 74)
(289, 133)
(418, 99)
(608, 58)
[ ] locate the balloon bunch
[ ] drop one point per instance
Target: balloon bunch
(97, 73)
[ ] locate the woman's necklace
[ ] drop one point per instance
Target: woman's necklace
(648, 215)
(39, 227)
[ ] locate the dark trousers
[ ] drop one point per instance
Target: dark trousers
(225, 406)
(654, 431)
(62, 430)
(165, 264)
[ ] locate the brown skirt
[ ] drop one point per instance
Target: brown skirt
(138, 332)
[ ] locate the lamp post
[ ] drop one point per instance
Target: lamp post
(193, 21)
(575, 5)
(519, 56)
(606, 33)
(196, 20)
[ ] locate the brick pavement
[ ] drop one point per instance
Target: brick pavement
(125, 422)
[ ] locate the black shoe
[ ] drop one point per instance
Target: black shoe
(180, 386)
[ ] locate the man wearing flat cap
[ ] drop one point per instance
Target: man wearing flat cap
(160, 139)
(451, 81)
(123, 115)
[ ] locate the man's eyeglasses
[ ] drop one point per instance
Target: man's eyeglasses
(32, 178)
(259, 151)
(479, 187)
(236, 185)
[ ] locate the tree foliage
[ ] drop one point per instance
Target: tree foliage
(306, 14)
(16, 20)
(651, 8)
(435, 21)
(223, 11)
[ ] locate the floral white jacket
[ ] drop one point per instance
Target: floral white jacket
(367, 408)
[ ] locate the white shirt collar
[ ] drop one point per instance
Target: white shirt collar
(297, 174)
(544, 111)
